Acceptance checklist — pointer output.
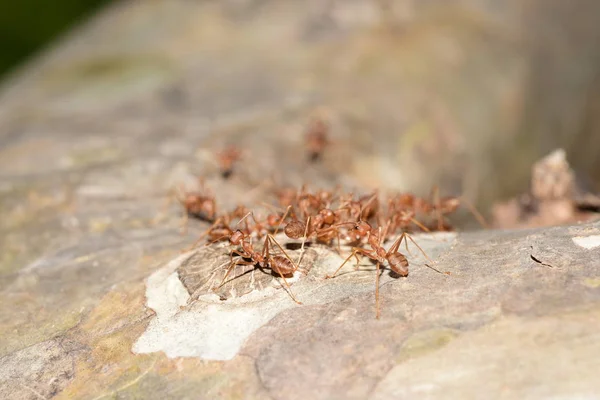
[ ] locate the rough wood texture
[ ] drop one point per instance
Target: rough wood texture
(96, 131)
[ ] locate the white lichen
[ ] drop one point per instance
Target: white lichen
(587, 242)
(213, 329)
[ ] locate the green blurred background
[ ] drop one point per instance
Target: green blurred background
(26, 26)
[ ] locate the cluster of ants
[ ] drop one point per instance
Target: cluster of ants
(330, 218)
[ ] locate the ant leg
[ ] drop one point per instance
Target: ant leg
(206, 233)
(377, 310)
(369, 253)
(438, 207)
(354, 253)
(404, 236)
(265, 251)
(420, 225)
(303, 241)
(373, 197)
(266, 256)
(232, 265)
(357, 261)
(218, 239)
(344, 263)
(271, 238)
(475, 213)
(385, 233)
(322, 232)
(244, 219)
(394, 247)
(289, 289)
(419, 247)
(282, 219)
(223, 282)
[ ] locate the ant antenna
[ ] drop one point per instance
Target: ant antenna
(282, 219)
(475, 213)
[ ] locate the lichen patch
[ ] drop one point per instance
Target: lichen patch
(587, 242)
(194, 320)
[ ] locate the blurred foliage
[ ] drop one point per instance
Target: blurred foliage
(27, 25)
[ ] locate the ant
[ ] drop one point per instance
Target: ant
(324, 226)
(447, 205)
(365, 208)
(283, 266)
(227, 159)
(286, 196)
(317, 139)
(396, 260)
(199, 206)
(220, 229)
(196, 204)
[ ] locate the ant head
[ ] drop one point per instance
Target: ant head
(236, 237)
(363, 227)
(328, 216)
(272, 220)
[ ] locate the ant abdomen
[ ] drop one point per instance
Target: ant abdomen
(398, 264)
(294, 229)
(282, 266)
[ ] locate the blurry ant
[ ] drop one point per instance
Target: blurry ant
(283, 266)
(197, 205)
(272, 223)
(365, 208)
(226, 160)
(317, 139)
(220, 229)
(402, 220)
(324, 226)
(396, 260)
(447, 205)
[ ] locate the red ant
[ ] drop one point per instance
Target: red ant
(196, 204)
(324, 226)
(365, 208)
(227, 159)
(447, 205)
(283, 266)
(396, 260)
(317, 139)
(220, 229)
